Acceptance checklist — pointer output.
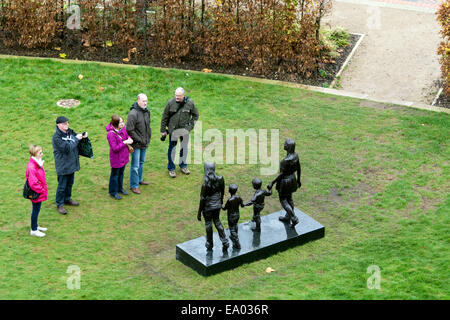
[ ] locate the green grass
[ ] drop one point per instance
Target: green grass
(376, 176)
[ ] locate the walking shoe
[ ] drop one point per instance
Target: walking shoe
(136, 190)
(225, 246)
(185, 171)
(37, 233)
(72, 203)
(284, 218)
(293, 223)
(42, 228)
(144, 182)
(123, 192)
(172, 174)
(62, 210)
(116, 196)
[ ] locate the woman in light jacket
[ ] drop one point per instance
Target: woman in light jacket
(36, 179)
(118, 139)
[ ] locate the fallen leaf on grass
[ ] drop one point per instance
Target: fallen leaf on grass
(57, 48)
(80, 76)
(62, 55)
(269, 270)
(125, 60)
(206, 70)
(101, 89)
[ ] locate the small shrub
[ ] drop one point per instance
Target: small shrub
(339, 36)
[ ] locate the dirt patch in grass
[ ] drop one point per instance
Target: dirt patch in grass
(376, 105)
(345, 196)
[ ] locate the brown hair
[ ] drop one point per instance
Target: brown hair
(34, 150)
(115, 120)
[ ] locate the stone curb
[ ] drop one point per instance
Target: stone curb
(246, 78)
(350, 56)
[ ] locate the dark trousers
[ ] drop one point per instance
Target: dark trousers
(35, 214)
(184, 140)
(116, 180)
(257, 216)
(288, 205)
(233, 220)
(64, 190)
(211, 217)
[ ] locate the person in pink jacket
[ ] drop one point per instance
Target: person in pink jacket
(118, 139)
(36, 179)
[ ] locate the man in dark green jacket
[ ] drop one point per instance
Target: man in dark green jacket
(138, 127)
(178, 120)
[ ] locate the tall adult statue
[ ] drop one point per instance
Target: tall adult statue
(287, 183)
(211, 200)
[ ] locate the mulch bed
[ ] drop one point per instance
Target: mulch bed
(113, 55)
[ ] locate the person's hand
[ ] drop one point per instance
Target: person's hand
(128, 141)
(163, 134)
(85, 135)
(269, 186)
(299, 184)
(79, 136)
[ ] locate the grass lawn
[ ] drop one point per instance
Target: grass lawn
(376, 176)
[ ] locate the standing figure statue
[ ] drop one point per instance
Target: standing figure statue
(211, 200)
(287, 183)
(232, 206)
(258, 203)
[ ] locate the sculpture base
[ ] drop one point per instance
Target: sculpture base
(275, 236)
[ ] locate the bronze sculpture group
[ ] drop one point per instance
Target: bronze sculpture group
(212, 194)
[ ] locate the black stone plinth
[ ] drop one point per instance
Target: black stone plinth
(275, 236)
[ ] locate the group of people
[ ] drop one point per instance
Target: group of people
(179, 117)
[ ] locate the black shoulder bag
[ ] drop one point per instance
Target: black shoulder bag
(29, 193)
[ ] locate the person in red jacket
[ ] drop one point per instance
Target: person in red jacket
(36, 179)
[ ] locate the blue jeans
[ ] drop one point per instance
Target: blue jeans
(184, 140)
(35, 214)
(116, 180)
(64, 190)
(137, 167)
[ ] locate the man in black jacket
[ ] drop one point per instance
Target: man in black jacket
(179, 117)
(65, 151)
(138, 127)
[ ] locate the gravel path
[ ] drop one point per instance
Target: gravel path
(397, 60)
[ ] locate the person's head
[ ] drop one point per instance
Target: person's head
(233, 189)
(289, 145)
(117, 122)
(210, 177)
(257, 183)
(62, 123)
(142, 100)
(36, 151)
(179, 94)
